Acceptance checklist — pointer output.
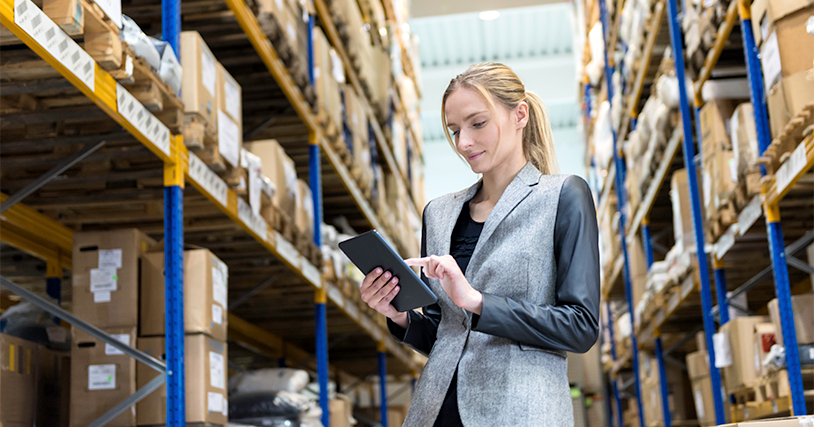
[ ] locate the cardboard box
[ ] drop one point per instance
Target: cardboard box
(53, 387)
(766, 12)
(101, 377)
(744, 140)
(789, 49)
(741, 332)
(704, 401)
(18, 386)
(327, 89)
(205, 294)
(106, 276)
(803, 308)
(725, 176)
(777, 422)
(230, 116)
(787, 98)
(698, 365)
(199, 88)
(763, 339)
(341, 411)
(278, 167)
(205, 375)
(714, 135)
(304, 219)
(683, 230)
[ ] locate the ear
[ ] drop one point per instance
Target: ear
(521, 115)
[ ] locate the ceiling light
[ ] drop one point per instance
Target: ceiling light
(489, 15)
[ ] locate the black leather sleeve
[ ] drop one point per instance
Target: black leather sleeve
(422, 329)
(573, 323)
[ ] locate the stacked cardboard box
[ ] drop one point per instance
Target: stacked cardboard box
(304, 217)
(743, 369)
(786, 55)
(205, 324)
(279, 168)
(18, 381)
(718, 181)
(803, 309)
(230, 116)
(745, 148)
(329, 108)
(199, 88)
(53, 387)
(698, 369)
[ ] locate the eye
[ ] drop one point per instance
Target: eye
(455, 133)
(480, 124)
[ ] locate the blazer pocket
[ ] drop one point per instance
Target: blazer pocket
(528, 347)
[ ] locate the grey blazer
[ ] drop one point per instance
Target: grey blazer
(510, 359)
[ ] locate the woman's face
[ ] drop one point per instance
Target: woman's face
(475, 131)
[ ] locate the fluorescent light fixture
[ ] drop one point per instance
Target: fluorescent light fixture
(489, 15)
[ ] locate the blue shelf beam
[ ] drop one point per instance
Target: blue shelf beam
(322, 353)
(171, 25)
(382, 353)
(174, 303)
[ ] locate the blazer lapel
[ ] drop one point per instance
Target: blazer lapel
(520, 187)
(450, 215)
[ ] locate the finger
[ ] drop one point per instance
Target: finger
(381, 293)
(421, 262)
(375, 286)
(389, 297)
(370, 278)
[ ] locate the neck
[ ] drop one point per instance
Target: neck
(496, 180)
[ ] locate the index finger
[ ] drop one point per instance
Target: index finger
(421, 262)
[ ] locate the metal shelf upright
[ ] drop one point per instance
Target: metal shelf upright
(620, 203)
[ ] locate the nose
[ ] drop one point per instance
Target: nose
(464, 141)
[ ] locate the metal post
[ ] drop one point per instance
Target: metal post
(383, 383)
(698, 225)
(665, 393)
(648, 243)
(614, 387)
(171, 24)
(315, 182)
(174, 293)
(311, 20)
(720, 286)
(621, 201)
(322, 354)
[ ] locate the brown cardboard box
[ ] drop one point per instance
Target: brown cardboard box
(199, 87)
(715, 143)
(18, 386)
(230, 116)
(789, 49)
(101, 377)
(205, 294)
(638, 269)
(205, 375)
(741, 332)
(105, 276)
(53, 387)
(787, 98)
(327, 88)
(714, 115)
(763, 340)
(698, 365)
(766, 12)
(724, 177)
(340, 413)
(278, 167)
(777, 422)
(683, 230)
(704, 401)
(305, 209)
(803, 308)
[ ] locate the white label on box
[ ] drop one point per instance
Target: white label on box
(101, 296)
(56, 334)
(209, 180)
(110, 258)
(217, 314)
(791, 168)
(44, 31)
(699, 403)
(217, 370)
(255, 222)
(208, 70)
(232, 94)
(279, 4)
(218, 286)
(113, 351)
(214, 402)
(255, 183)
(757, 358)
(770, 60)
(764, 27)
(225, 407)
(311, 273)
(292, 33)
(287, 250)
(228, 139)
(113, 10)
(102, 377)
(723, 351)
(142, 119)
(103, 279)
(707, 183)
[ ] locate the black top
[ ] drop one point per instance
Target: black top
(571, 325)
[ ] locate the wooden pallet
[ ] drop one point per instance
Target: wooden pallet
(795, 131)
(281, 222)
(198, 132)
(305, 244)
(768, 395)
(720, 220)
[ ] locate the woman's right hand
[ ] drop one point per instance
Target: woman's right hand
(378, 290)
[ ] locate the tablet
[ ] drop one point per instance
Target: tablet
(369, 250)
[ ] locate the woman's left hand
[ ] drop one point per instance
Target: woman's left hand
(445, 269)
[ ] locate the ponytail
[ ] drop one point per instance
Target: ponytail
(498, 83)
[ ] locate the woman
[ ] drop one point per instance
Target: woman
(514, 262)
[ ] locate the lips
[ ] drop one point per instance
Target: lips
(476, 156)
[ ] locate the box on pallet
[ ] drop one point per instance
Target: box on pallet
(803, 309)
(327, 88)
(230, 116)
(787, 47)
(280, 169)
(199, 88)
(741, 351)
(341, 412)
(304, 219)
(53, 387)
(698, 369)
(763, 340)
(745, 148)
(106, 274)
(101, 377)
(399, 142)
(777, 422)
(205, 375)
(18, 381)
(205, 293)
(766, 12)
(717, 179)
(787, 98)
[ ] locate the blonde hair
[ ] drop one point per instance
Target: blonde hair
(495, 81)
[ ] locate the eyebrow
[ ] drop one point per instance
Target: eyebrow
(468, 117)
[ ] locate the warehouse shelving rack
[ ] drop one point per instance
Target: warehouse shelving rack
(738, 240)
(34, 233)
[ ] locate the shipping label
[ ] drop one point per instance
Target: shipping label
(102, 377)
(110, 258)
(113, 351)
(103, 279)
(217, 370)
